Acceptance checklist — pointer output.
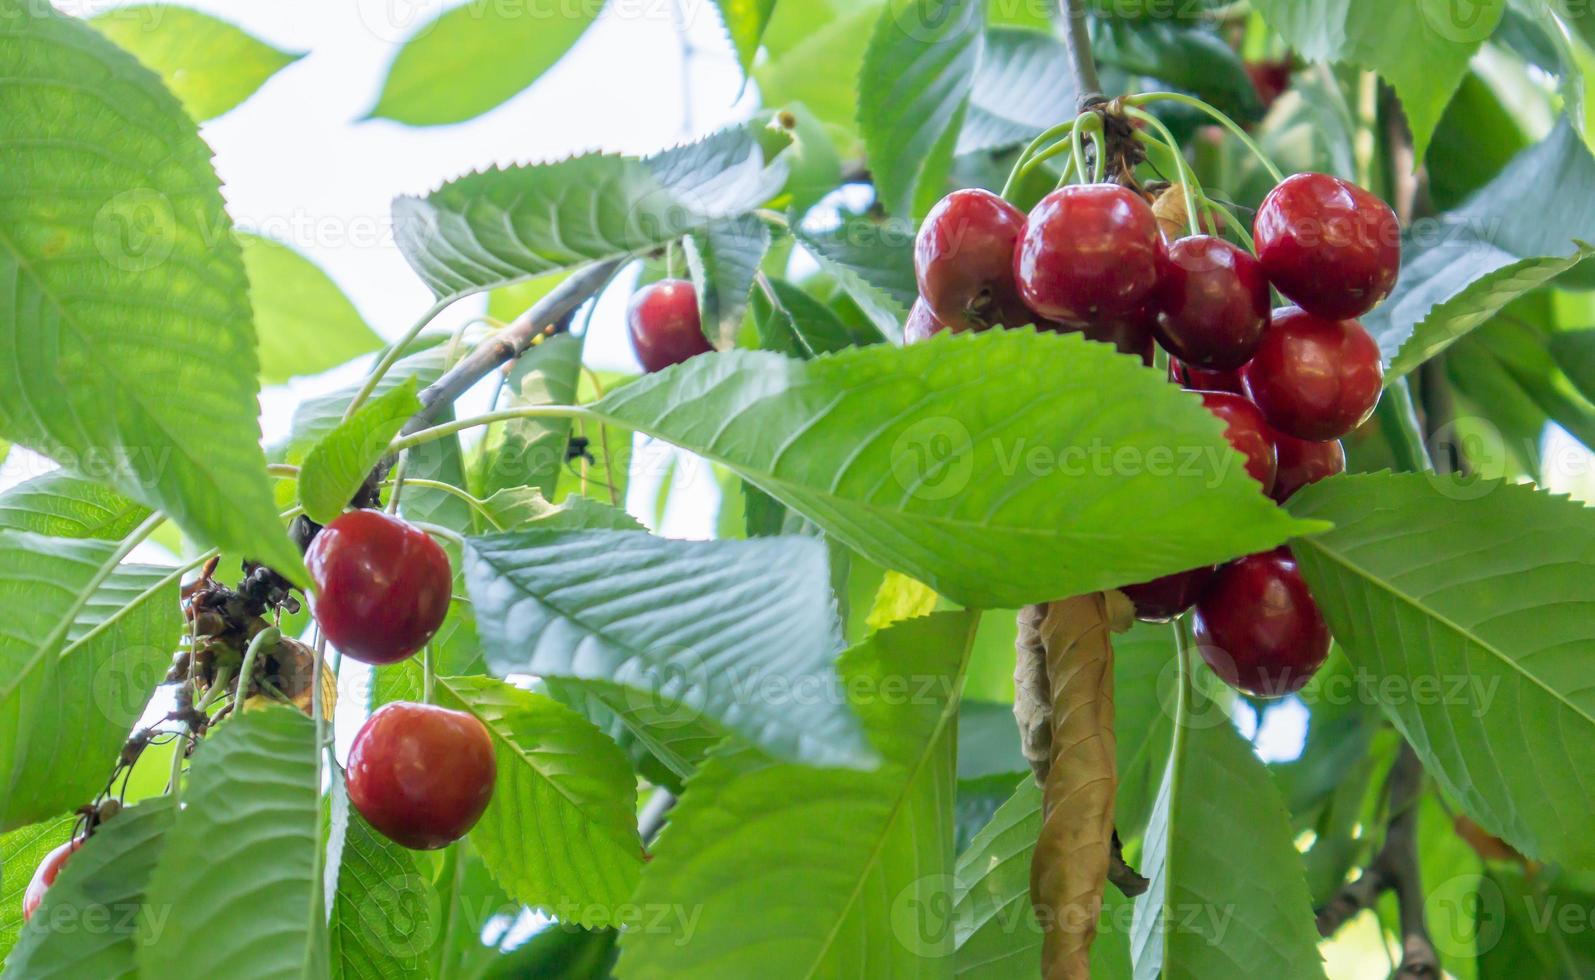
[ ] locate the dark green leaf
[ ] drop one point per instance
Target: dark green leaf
(796, 324)
(530, 452)
(874, 262)
(1186, 56)
(341, 460)
(386, 914)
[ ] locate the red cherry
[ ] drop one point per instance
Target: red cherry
(382, 586)
(1089, 252)
(1212, 303)
(44, 876)
(963, 260)
(1313, 378)
(1330, 246)
(921, 324)
(1161, 599)
(1247, 431)
(1196, 379)
(1269, 78)
(1129, 334)
(1258, 627)
(1302, 462)
(420, 774)
(664, 324)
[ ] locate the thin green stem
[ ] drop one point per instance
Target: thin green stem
(476, 503)
(268, 636)
(1188, 185)
(1077, 149)
(1398, 418)
(1021, 166)
(439, 531)
(398, 481)
(174, 783)
(282, 471)
(437, 432)
(1223, 120)
(1230, 219)
(391, 357)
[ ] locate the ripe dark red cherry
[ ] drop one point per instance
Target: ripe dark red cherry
(921, 324)
(1302, 462)
(1313, 378)
(1258, 627)
(420, 774)
(664, 324)
(1333, 248)
(1129, 334)
(1089, 252)
(382, 586)
(1212, 303)
(1196, 379)
(44, 876)
(1247, 431)
(1161, 599)
(963, 260)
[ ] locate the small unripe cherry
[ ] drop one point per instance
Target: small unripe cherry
(45, 874)
(382, 586)
(1313, 378)
(1302, 462)
(664, 324)
(963, 261)
(1258, 627)
(420, 774)
(1089, 252)
(1331, 247)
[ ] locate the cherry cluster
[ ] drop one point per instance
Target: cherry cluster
(1287, 382)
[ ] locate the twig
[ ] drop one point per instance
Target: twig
(1077, 38)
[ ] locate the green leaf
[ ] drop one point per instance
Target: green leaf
(711, 629)
(95, 917)
(723, 260)
(816, 50)
(1023, 86)
(796, 324)
(561, 831)
(1227, 895)
(874, 262)
(240, 873)
(386, 914)
(209, 64)
(339, 463)
(315, 418)
(525, 507)
(1189, 57)
(1518, 232)
(849, 870)
(917, 75)
(981, 464)
(127, 340)
(1422, 49)
(1575, 355)
(1468, 597)
(61, 505)
(305, 322)
(20, 853)
(497, 227)
(558, 952)
(745, 21)
(477, 56)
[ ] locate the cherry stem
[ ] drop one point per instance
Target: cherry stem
(437, 432)
(474, 502)
(270, 635)
(1048, 141)
(1399, 420)
(1077, 39)
(1188, 185)
(1223, 120)
(1209, 204)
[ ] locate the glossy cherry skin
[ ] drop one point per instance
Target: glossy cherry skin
(1196, 379)
(1161, 599)
(963, 261)
(1258, 627)
(1247, 431)
(1129, 334)
(1212, 303)
(1302, 462)
(921, 324)
(382, 586)
(664, 324)
(420, 774)
(1313, 378)
(44, 876)
(1331, 247)
(1090, 252)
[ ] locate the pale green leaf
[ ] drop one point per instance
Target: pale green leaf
(531, 452)
(500, 226)
(850, 871)
(913, 90)
(61, 505)
(477, 56)
(240, 871)
(723, 259)
(745, 21)
(20, 853)
(524, 507)
(102, 885)
(816, 50)
(988, 466)
(1469, 599)
(1421, 48)
(305, 322)
(874, 262)
(561, 831)
(209, 64)
(720, 630)
(339, 463)
(127, 335)
(1023, 86)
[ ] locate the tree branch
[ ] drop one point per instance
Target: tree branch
(1077, 38)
